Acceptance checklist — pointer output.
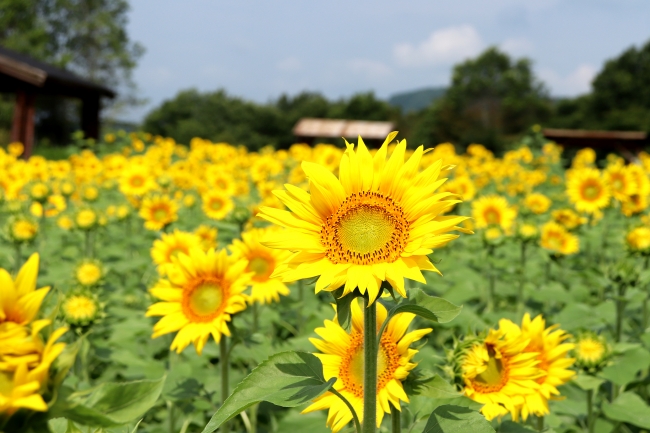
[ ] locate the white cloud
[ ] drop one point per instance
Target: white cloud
(289, 64)
(516, 46)
(369, 68)
(444, 46)
(575, 83)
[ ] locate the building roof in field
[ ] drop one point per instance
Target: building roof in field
(18, 70)
(595, 135)
(335, 128)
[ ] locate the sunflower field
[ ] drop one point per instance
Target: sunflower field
(155, 287)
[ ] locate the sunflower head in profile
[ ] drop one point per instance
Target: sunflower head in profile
(497, 373)
(376, 222)
(493, 210)
(171, 245)
(537, 203)
(638, 240)
(556, 239)
(552, 349)
(342, 357)
(203, 291)
(158, 211)
(588, 191)
(262, 262)
(568, 218)
(592, 352)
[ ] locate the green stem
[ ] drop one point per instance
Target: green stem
(590, 411)
(253, 418)
(395, 419)
(223, 360)
(256, 318)
(18, 258)
(355, 418)
(522, 279)
(369, 366)
(620, 311)
(89, 244)
(491, 280)
(170, 417)
(540, 423)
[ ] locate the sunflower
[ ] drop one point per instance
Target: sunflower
(493, 210)
(588, 191)
(528, 232)
(22, 229)
(170, 245)
(537, 203)
(80, 309)
(342, 357)
(591, 352)
(558, 240)
(205, 289)
(85, 219)
(638, 239)
(499, 374)
(89, 272)
(136, 180)
(19, 298)
(461, 186)
(207, 235)
(217, 205)
(621, 182)
(552, 353)
(635, 204)
(377, 222)
(262, 261)
(18, 392)
(158, 212)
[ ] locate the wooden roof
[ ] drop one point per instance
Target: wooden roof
(21, 72)
(334, 128)
(594, 135)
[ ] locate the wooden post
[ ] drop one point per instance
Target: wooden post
(22, 128)
(90, 116)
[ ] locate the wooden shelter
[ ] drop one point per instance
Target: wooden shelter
(28, 78)
(624, 142)
(308, 129)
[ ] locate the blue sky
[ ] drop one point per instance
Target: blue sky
(260, 49)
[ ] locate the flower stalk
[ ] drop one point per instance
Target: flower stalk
(396, 420)
(223, 360)
(369, 365)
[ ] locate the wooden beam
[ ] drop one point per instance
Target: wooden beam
(22, 71)
(19, 113)
(90, 117)
(22, 127)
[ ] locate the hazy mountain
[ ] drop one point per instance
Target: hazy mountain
(416, 99)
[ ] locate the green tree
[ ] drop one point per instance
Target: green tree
(491, 98)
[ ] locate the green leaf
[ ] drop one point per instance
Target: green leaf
(626, 366)
(457, 419)
(286, 379)
(629, 408)
(110, 404)
(343, 307)
(513, 427)
(429, 307)
(588, 382)
(62, 425)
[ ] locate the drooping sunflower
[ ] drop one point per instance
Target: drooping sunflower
(216, 205)
(499, 374)
(262, 261)
(204, 290)
(170, 245)
(376, 222)
(588, 191)
(493, 210)
(552, 353)
(537, 203)
(158, 212)
(558, 240)
(342, 357)
(19, 298)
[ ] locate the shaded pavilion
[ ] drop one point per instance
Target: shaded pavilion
(28, 78)
(307, 130)
(627, 143)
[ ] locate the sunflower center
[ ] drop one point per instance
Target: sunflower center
(160, 214)
(590, 350)
(216, 204)
(495, 375)
(137, 181)
(617, 184)
(591, 191)
(262, 267)
(89, 274)
(203, 301)
(367, 228)
(351, 370)
(492, 216)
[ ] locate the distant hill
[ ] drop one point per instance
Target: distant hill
(416, 99)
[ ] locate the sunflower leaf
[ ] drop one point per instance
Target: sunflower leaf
(343, 307)
(286, 379)
(457, 419)
(429, 307)
(629, 408)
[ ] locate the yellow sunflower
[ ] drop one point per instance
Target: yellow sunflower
(558, 240)
(342, 357)
(537, 203)
(86, 219)
(591, 351)
(621, 182)
(89, 272)
(136, 180)
(588, 191)
(638, 239)
(552, 354)
(499, 374)
(217, 205)
(262, 261)
(158, 212)
(493, 210)
(207, 235)
(18, 392)
(568, 218)
(170, 245)
(19, 298)
(80, 309)
(204, 290)
(22, 229)
(376, 222)
(635, 204)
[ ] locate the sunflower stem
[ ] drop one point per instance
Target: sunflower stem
(590, 411)
(223, 360)
(369, 365)
(18, 258)
(491, 280)
(540, 423)
(256, 317)
(355, 418)
(396, 419)
(522, 278)
(89, 244)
